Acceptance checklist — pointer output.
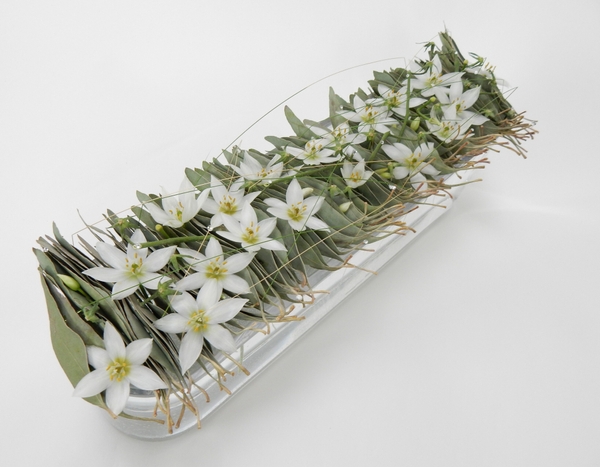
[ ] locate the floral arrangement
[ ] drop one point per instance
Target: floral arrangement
(174, 287)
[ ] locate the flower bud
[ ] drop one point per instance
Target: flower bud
(414, 125)
(70, 282)
(307, 191)
(345, 206)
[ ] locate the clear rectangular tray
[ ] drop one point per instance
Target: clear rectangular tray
(259, 350)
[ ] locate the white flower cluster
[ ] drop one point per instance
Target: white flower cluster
(448, 89)
(234, 217)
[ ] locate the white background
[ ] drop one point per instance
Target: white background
(478, 346)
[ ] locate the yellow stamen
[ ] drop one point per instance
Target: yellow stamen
(118, 369)
(198, 322)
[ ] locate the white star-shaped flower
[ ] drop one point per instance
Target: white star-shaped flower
(213, 270)
(252, 170)
(253, 235)
(355, 175)
(131, 269)
(200, 319)
(447, 130)
(299, 212)
(396, 100)
(411, 162)
(315, 152)
(433, 81)
(370, 117)
(340, 137)
(178, 209)
(116, 367)
(226, 202)
(456, 103)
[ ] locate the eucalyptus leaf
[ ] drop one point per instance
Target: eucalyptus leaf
(69, 348)
(301, 130)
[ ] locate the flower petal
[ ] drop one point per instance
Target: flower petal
(160, 216)
(158, 259)
(280, 212)
(191, 282)
(91, 384)
(234, 237)
(124, 288)
(430, 170)
(225, 309)
(396, 153)
(239, 261)
(220, 338)
(267, 226)
(106, 274)
(217, 220)
(191, 346)
(210, 206)
(113, 342)
(400, 172)
(217, 189)
(316, 224)
(145, 378)
(272, 245)
(138, 351)
(173, 323)
(112, 255)
(116, 396)
(299, 225)
(98, 357)
(184, 304)
(313, 204)
(208, 295)
(275, 203)
(233, 226)
(293, 194)
(192, 257)
(213, 248)
(235, 284)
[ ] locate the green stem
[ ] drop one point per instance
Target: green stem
(407, 109)
(174, 241)
(378, 147)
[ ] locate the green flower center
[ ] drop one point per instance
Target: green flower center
(355, 176)
(459, 105)
(178, 212)
(118, 369)
(412, 162)
(446, 130)
(198, 321)
(370, 115)
(135, 265)
(216, 270)
(250, 234)
(228, 205)
(296, 211)
(312, 151)
(434, 80)
(394, 100)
